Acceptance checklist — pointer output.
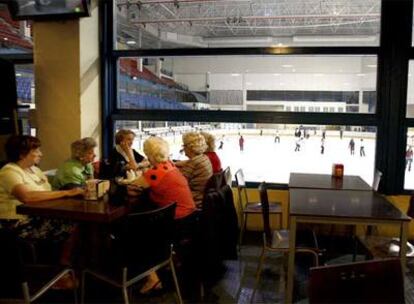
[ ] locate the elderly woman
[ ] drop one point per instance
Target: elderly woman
(211, 153)
(166, 184)
(198, 168)
(75, 171)
(123, 157)
(22, 182)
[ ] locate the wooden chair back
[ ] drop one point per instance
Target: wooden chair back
(378, 281)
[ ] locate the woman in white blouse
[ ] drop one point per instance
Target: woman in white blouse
(22, 182)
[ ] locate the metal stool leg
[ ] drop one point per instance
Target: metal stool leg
(242, 228)
(258, 273)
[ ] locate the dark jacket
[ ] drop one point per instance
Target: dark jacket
(219, 229)
(117, 162)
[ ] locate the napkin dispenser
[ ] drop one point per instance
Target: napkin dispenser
(96, 189)
(338, 170)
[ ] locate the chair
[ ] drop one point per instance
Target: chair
(377, 180)
(143, 245)
(216, 181)
(375, 186)
(278, 240)
(20, 282)
(381, 246)
(227, 175)
(379, 281)
(247, 208)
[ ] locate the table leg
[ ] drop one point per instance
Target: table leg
(403, 245)
(291, 261)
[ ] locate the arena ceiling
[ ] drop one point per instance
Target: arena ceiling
(231, 23)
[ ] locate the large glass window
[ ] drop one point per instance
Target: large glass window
(410, 90)
(151, 24)
(25, 96)
(15, 36)
(409, 166)
(271, 152)
(250, 83)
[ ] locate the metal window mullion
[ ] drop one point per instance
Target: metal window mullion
(396, 20)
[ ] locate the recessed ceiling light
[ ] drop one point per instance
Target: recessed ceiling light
(131, 42)
(5, 38)
(134, 77)
(235, 74)
(18, 75)
(287, 65)
(371, 65)
(276, 74)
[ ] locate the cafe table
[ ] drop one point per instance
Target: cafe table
(349, 207)
(327, 181)
(75, 209)
(93, 216)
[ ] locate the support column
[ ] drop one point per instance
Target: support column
(66, 67)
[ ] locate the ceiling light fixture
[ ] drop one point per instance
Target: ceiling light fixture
(131, 42)
(336, 38)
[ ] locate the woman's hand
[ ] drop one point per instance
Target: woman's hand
(127, 149)
(134, 190)
(144, 164)
(180, 163)
(75, 192)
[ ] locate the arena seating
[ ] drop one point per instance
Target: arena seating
(10, 32)
(24, 88)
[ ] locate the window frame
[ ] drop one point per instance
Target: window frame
(392, 54)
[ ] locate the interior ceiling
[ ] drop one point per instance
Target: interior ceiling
(243, 22)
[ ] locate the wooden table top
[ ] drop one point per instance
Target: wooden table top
(343, 204)
(76, 209)
(326, 181)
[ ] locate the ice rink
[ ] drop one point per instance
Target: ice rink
(263, 159)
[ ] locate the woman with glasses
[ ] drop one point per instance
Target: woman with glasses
(197, 169)
(22, 182)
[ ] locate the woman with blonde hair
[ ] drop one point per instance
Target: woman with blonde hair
(166, 185)
(211, 153)
(197, 169)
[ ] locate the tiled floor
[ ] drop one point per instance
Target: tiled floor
(236, 284)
